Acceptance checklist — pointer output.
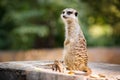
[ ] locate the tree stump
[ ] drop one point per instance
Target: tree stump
(41, 70)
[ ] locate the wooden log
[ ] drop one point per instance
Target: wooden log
(41, 70)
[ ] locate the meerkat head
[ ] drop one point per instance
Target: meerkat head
(69, 15)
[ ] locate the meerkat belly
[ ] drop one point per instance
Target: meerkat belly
(76, 55)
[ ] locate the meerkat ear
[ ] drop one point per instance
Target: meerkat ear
(76, 13)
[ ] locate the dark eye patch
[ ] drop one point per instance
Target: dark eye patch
(76, 13)
(69, 12)
(63, 12)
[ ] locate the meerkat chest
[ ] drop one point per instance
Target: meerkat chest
(72, 34)
(75, 37)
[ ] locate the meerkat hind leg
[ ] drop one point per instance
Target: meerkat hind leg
(87, 70)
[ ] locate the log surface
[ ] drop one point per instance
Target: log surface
(40, 70)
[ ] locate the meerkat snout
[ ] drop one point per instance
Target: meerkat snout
(69, 14)
(64, 16)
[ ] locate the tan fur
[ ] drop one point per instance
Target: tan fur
(75, 50)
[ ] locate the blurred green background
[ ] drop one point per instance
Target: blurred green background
(33, 24)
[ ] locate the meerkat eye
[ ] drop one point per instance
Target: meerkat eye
(76, 13)
(63, 12)
(69, 12)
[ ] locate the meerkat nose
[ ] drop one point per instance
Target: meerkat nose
(64, 16)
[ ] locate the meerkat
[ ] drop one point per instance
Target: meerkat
(75, 49)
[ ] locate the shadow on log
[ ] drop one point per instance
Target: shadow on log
(12, 74)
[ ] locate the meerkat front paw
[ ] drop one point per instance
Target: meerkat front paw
(66, 42)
